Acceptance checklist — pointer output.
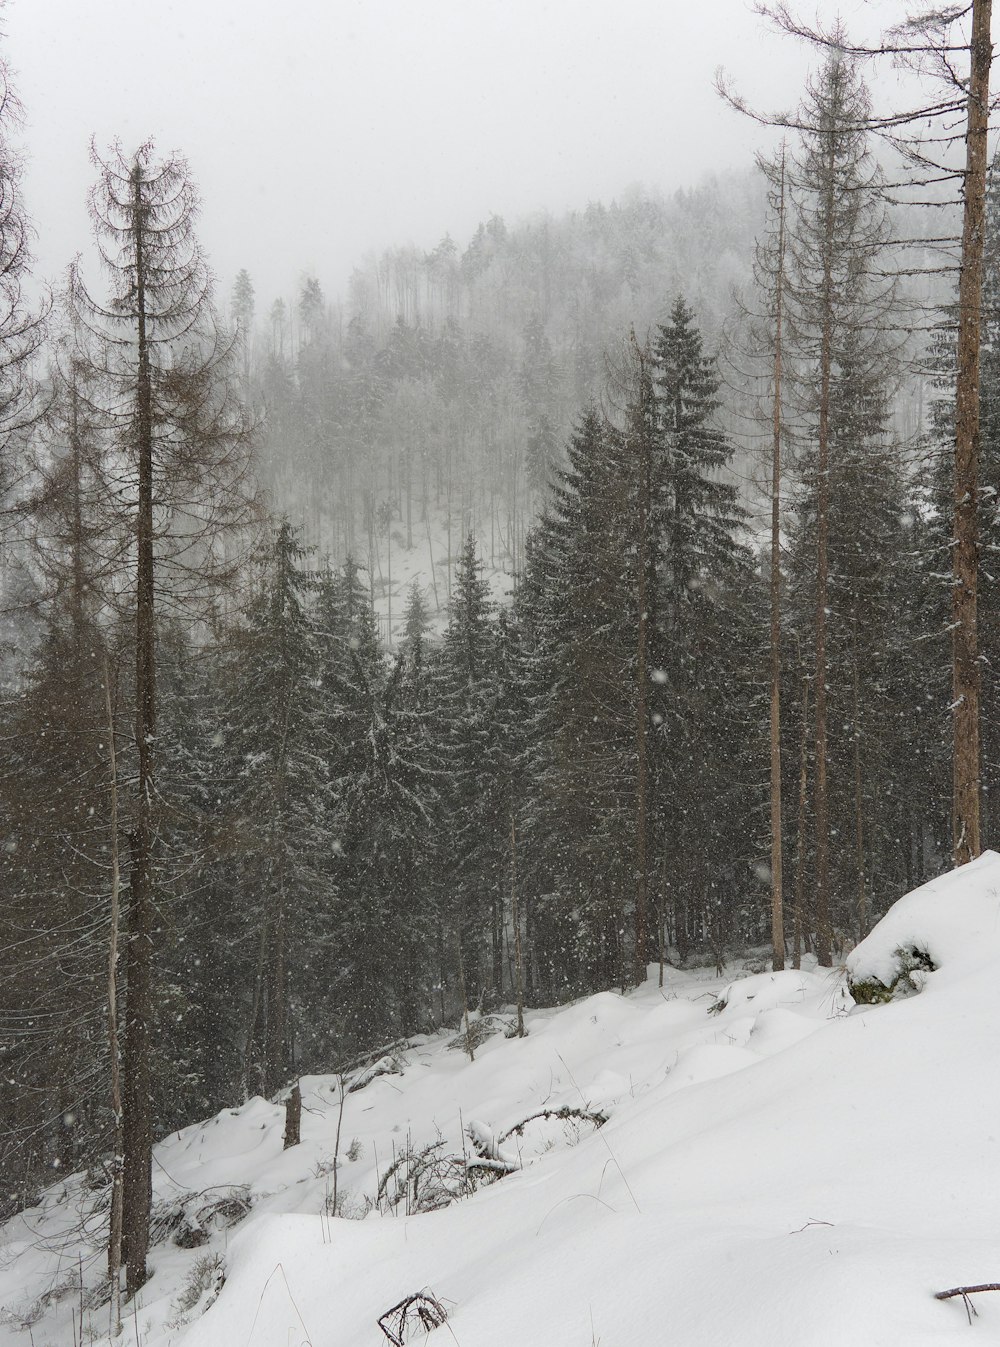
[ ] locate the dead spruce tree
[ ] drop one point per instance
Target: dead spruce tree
(180, 463)
(949, 47)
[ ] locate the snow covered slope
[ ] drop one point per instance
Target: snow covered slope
(777, 1168)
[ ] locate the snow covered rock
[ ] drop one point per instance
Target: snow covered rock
(948, 924)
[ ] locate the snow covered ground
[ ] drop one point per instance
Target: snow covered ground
(778, 1167)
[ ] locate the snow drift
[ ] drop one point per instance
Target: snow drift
(778, 1166)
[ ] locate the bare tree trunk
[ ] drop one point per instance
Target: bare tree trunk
(800, 859)
(115, 1215)
(293, 1117)
(138, 1121)
(822, 906)
(515, 917)
(465, 996)
(858, 813)
(388, 543)
(274, 1040)
(255, 1004)
(777, 914)
(641, 676)
(965, 668)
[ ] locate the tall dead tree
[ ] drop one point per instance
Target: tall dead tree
(179, 439)
(967, 756)
(765, 332)
(837, 329)
(641, 434)
(950, 46)
(837, 318)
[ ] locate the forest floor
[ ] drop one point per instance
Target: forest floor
(778, 1166)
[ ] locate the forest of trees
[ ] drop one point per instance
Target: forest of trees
(244, 839)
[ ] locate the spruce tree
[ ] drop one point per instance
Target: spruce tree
(706, 602)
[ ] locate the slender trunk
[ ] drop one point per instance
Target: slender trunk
(274, 1042)
(965, 670)
(858, 814)
(255, 1005)
(138, 1122)
(822, 908)
(641, 676)
(79, 576)
(465, 996)
(430, 558)
(777, 914)
(409, 501)
(800, 850)
(515, 917)
(388, 544)
(115, 1216)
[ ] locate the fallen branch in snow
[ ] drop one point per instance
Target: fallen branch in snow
(422, 1311)
(387, 1065)
(563, 1114)
(431, 1178)
(811, 1221)
(965, 1292)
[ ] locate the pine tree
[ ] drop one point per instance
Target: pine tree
(467, 677)
(277, 746)
(706, 610)
(579, 606)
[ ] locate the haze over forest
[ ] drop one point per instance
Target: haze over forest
(484, 521)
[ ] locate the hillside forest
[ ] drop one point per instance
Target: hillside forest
(267, 806)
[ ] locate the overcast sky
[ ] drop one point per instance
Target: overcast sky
(318, 130)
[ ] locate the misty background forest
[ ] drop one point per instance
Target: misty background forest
(374, 660)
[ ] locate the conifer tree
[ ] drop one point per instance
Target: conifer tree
(706, 602)
(467, 675)
(276, 747)
(580, 601)
(183, 466)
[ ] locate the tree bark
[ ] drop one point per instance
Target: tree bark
(641, 677)
(800, 862)
(777, 913)
(115, 1214)
(965, 660)
(138, 1122)
(822, 906)
(515, 918)
(293, 1117)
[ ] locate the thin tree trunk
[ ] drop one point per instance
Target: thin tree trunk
(800, 858)
(465, 996)
(858, 813)
(822, 906)
(138, 1122)
(255, 1004)
(115, 1215)
(777, 914)
(515, 917)
(274, 1042)
(965, 668)
(641, 677)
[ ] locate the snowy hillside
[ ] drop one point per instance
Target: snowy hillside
(777, 1167)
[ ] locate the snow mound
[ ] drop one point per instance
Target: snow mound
(951, 923)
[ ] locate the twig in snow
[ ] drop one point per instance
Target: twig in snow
(811, 1221)
(965, 1292)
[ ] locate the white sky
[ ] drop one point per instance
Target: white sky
(318, 130)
